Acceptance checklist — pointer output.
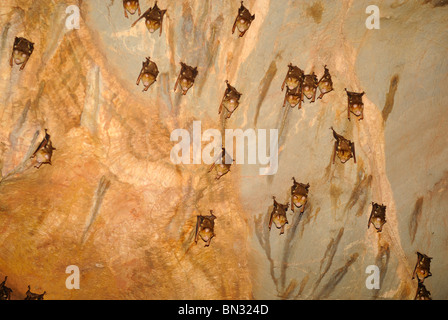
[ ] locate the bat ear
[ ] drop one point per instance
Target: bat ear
(253, 17)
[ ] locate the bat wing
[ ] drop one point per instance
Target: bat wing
(41, 145)
(353, 149)
(334, 150)
(198, 225)
(141, 17)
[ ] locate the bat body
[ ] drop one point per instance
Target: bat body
(5, 292)
(205, 228)
(278, 216)
(343, 148)
(153, 19)
(325, 83)
(355, 104)
(242, 20)
(422, 293)
(293, 97)
(148, 74)
(309, 87)
(230, 100)
(299, 195)
(422, 268)
(131, 6)
(44, 151)
(34, 296)
(21, 52)
(223, 167)
(294, 77)
(377, 216)
(186, 77)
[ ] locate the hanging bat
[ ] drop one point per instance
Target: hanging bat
(205, 228)
(309, 87)
(422, 293)
(355, 104)
(294, 77)
(377, 216)
(153, 19)
(223, 167)
(278, 216)
(422, 267)
(344, 148)
(148, 74)
(293, 97)
(21, 52)
(299, 195)
(131, 6)
(5, 292)
(44, 151)
(34, 296)
(230, 101)
(243, 20)
(186, 77)
(325, 83)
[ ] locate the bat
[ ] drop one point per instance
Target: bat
(355, 104)
(205, 227)
(148, 73)
(230, 100)
(278, 216)
(153, 19)
(343, 148)
(186, 77)
(299, 195)
(242, 20)
(44, 151)
(21, 52)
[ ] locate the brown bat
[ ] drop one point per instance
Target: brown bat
(422, 267)
(309, 87)
(325, 83)
(131, 6)
(21, 52)
(44, 151)
(377, 216)
(5, 292)
(34, 296)
(344, 148)
(186, 77)
(223, 167)
(148, 74)
(293, 97)
(153, 19)
(278, 216)
(422, 293)
(243, 20)
(355, 104)
(230, 101)
(294, 77)
(299, 195)
(205, 228)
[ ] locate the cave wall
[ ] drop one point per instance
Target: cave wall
(114, 204)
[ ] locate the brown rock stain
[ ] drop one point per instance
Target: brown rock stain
(315, 11)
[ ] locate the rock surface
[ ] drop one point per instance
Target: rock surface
(115, 205)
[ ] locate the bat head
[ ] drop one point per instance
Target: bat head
(131, 6)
